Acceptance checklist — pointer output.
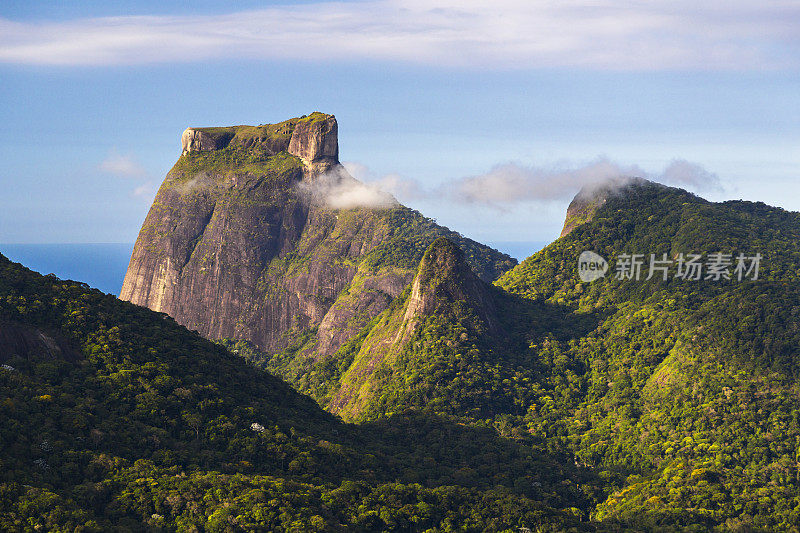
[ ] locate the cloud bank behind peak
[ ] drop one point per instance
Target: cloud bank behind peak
(510, 184)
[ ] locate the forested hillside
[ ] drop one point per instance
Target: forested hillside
(685, 397)
(115, 417)
(668, 403)
(680, 395)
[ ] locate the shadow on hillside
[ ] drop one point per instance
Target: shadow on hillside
(415, 447)
(529, 321)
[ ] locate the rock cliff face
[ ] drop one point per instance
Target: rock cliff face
(316, 143)
(234, 248)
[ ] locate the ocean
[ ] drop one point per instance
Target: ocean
(519, 250)
(103, 266)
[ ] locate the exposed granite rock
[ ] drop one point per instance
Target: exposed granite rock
(315, 141)
(350, 313)
(232, 247)
(443, 281)
(27, 342)
(196, 140)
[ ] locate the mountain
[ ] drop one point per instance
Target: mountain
(684, 397)
(444, 290)
(680, 395)
(451, 344)
(663, 394)
(245, 242)
(116, 418)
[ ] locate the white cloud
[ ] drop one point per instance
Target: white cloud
(599, 34)
(124, 166)
(146, 191)
(510, 184)
(339, 190)
(394, 184)
(682, 173)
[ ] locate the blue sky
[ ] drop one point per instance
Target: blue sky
(488, 120)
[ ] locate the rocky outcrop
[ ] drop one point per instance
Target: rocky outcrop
(197, 140)
(315, 141)
(233, 248)
(444, 277)
(27, 342)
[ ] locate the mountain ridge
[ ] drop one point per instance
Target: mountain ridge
(675, 395)
(681, 393)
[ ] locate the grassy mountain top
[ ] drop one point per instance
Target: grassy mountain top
(257, 149)
(240, 135)
(271, 134)
(235, 159)
(314, 117)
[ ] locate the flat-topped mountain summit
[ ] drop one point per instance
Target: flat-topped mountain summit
(236, 248)
(313, 139)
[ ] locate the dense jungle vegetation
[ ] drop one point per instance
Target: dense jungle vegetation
(538, 402)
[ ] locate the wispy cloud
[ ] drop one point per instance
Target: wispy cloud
(604, 34)
(146, 191)
(125, 166)
(339, 190)
(682, 173)
(394, 184)
(511, 184)
(121, 165)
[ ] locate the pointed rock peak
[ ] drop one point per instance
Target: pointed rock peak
(443, 278)
(591, 197)
(443, 259)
